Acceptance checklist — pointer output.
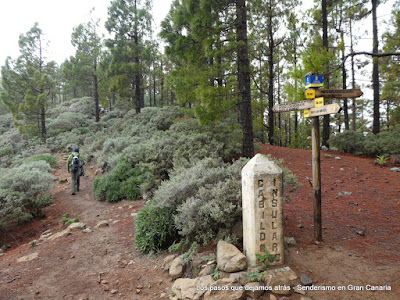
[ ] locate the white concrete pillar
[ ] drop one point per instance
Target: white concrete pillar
(262, 201)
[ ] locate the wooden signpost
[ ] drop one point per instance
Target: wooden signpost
(339, 94)
(313, 109)
(305, 104)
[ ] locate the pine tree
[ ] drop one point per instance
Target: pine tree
(130, 24)
(88, 52)
(27, 85)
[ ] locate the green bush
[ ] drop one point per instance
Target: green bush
(6, 151)
(50, 159)
(205, 200)
(121, 183)
(348, 141)
(386, 142)
(22, 191)
(154, 227)
(66, 122)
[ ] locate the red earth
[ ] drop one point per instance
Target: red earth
(104, 264)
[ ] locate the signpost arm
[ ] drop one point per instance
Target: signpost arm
(316, 173)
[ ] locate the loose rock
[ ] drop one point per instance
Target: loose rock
(77, 226)
(305, 280)
(229, 258)
(103, 223)
(285, 272)
(57, 235)
(167, 262)
(253, 290)
(279, 285)
(186, 288)
(290, 241)
(176, 269)
(224, 294)
(28, 257)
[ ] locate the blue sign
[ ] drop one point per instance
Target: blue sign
(314, 81)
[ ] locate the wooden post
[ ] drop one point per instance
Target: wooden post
(316, 173)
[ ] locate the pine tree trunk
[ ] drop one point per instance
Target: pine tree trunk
(96, 93)
(43, 123)
(345, 103)
(271, 138)
(244, 79)
(325, 42)
(375, 71)
(353, 78)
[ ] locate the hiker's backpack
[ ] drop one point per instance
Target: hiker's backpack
(76, 164)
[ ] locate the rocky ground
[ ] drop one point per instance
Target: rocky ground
(361, 241)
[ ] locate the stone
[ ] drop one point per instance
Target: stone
(240, 277)
(229, 258)
(28, 257)
(77, 226)
(103, 223)
(45, 235)
(114, 291)
(324, 148)
(338, 158)
(305, 280)
(197, 262)
(290, 241)
(262, 202)
(176, 268)
(344, 193)
(254, 290)
(328, 155)
(207, 270)
(167, 261)
(60, 234)
(186, 288)
(360, 232)
(395, 169)
(285, 272)
(223, 289)
(298, 291)
(280, 285)
(87, 230)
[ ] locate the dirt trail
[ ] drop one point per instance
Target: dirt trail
(71, 266)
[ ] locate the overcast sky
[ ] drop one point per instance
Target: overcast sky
(56, 18)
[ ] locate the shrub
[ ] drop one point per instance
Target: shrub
(22, 191)
(50, 159)
(386, 142)
(154, 227)
(6, 151)
(121, 183)
(348, 141)
(66, 122)
(205, 199)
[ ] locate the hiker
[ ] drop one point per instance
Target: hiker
(75, 167)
